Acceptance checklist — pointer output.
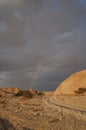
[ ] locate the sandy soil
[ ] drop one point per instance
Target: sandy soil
(43, 113)
(76, 102)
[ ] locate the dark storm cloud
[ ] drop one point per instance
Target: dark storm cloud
(41, 42)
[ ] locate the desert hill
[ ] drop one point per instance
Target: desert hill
(76, 83)
(13, 91)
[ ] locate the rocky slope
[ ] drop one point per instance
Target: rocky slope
(12, 91)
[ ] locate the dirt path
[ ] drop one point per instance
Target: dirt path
(58, 102)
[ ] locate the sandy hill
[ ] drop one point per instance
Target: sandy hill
(76, 83)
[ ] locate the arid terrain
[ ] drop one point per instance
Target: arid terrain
(45, 112)
(33, 110)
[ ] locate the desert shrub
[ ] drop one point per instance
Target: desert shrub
(27, 94)
(24, 93)
(40, 93)
(20, 93)
(80, 91)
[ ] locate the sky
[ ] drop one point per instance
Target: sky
(42, 42)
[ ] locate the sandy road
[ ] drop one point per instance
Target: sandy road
(58, 102)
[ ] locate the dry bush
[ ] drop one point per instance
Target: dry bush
(80, 91)
(24, 93)
(29, 93)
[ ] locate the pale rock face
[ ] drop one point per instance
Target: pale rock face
(72, 83)
(8, 91)
(11, 90)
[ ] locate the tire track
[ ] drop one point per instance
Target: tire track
(54, 102)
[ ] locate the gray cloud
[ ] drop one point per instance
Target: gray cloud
(41, 42)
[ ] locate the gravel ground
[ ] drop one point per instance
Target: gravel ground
(19, 113)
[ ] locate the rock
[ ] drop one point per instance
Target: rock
(20, 92)
(29, 93)
(9, 91)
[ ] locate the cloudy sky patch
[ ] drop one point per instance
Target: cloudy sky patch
(41, 42)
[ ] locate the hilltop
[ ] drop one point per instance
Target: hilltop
(76, 83)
